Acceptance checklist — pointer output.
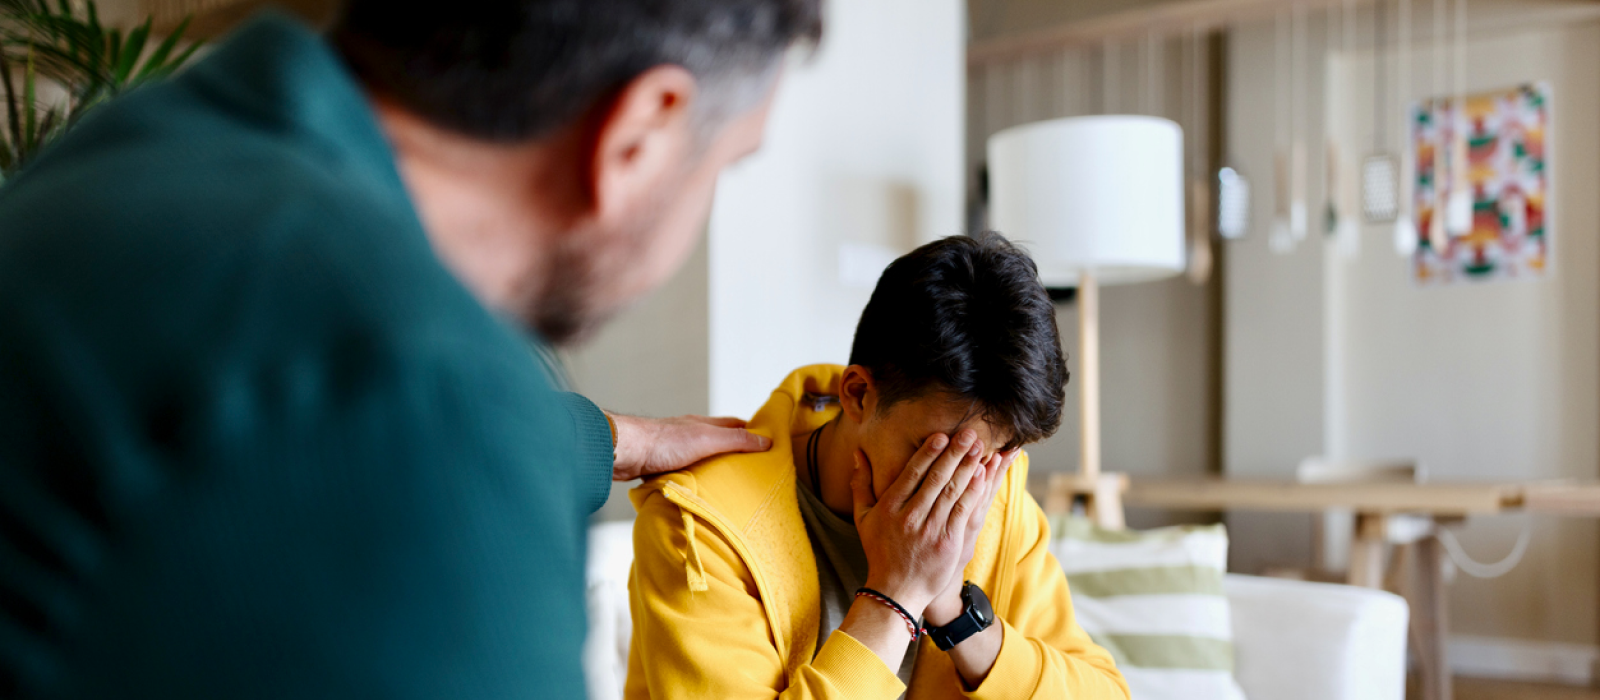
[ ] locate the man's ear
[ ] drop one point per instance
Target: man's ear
(644, 137)
(858, 395)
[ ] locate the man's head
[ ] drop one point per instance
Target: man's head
(959, 334)
(625, 111)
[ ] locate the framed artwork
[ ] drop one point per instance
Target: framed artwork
(1482, 186)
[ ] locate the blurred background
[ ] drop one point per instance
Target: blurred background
(1333, 305)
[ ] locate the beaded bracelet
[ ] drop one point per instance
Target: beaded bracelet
(912, 625)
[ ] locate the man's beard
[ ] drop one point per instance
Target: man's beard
(577, 295)
(572, 302)
(565, 311)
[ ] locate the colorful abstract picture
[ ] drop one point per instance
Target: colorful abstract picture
(1482, 186)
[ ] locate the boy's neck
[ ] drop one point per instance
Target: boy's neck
(835, 463)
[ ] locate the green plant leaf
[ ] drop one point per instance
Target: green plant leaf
(183, 58)
(158, 57)
(156, 65)
(29, 115)
(47, 127)
(113, 52)
(131, 52)
(13, 109)
(49, 42)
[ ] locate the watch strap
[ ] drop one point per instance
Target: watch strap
(975, 617)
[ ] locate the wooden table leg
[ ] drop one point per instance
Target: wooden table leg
(1366, 551)
(1429, 620)
(1106, 504)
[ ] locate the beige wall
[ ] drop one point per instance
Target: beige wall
(652, 360)
(1156, 359)
(1274, 372)
(1325, 355)
(1345, 356)
(995, 18)
(1491, 381)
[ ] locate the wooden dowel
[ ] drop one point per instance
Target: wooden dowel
(1089, 374)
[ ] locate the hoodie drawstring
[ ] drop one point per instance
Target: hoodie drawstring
(692, 566)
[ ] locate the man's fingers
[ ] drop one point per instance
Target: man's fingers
(906, 484)
(720, 421)
(861, 488)
(715, 441)
(963, 447)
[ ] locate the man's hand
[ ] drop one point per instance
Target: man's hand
(647, 446)
(947, 605)
(914, 537)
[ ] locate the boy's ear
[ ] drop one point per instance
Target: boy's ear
(857, 395)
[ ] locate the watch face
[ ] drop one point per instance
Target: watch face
(978, 603)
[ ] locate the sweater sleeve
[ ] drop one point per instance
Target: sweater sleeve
(407, 529)
(713, 640)
(1044, 653)
(596, 452)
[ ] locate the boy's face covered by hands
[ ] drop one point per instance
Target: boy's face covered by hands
(926, 472)
(891, 436)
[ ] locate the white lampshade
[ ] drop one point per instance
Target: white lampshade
(1102, 193)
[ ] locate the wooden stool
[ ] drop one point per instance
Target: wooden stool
(1101, 495)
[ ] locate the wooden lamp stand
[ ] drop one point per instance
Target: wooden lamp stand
(1100, 492)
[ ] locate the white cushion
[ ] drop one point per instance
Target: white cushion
(1293, 640)
(1155, 600)
(605, 652)
(1297, 640)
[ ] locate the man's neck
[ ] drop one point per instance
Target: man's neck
(835, 454)
(487, 208)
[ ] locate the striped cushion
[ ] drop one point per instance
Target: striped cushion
(1154, 600)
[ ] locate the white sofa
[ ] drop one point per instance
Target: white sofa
(1293, 640)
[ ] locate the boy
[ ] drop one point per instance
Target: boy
(886, 545)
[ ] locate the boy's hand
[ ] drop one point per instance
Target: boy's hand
(917, 535)
(947, 605)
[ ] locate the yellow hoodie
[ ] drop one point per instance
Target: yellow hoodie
(725, 598)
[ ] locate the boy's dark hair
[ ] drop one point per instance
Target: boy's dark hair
(513, 70)
(967, 316)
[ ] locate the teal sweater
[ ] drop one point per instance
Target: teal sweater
(255, 440)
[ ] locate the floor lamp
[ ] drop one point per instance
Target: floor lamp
(1097, 200)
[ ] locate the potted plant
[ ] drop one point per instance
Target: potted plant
(57, 61)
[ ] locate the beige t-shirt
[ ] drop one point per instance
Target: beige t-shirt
(841, 568)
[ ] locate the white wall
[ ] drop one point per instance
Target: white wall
(863, 150)
(864, 147)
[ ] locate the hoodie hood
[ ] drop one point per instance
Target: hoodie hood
(727, 482)
(750, 499)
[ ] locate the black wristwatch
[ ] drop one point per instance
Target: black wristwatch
(976, 617)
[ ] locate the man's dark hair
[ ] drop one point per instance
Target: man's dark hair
(513, 70)
(967, 317)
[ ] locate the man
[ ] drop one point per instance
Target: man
(268, 427)
(812, 570)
